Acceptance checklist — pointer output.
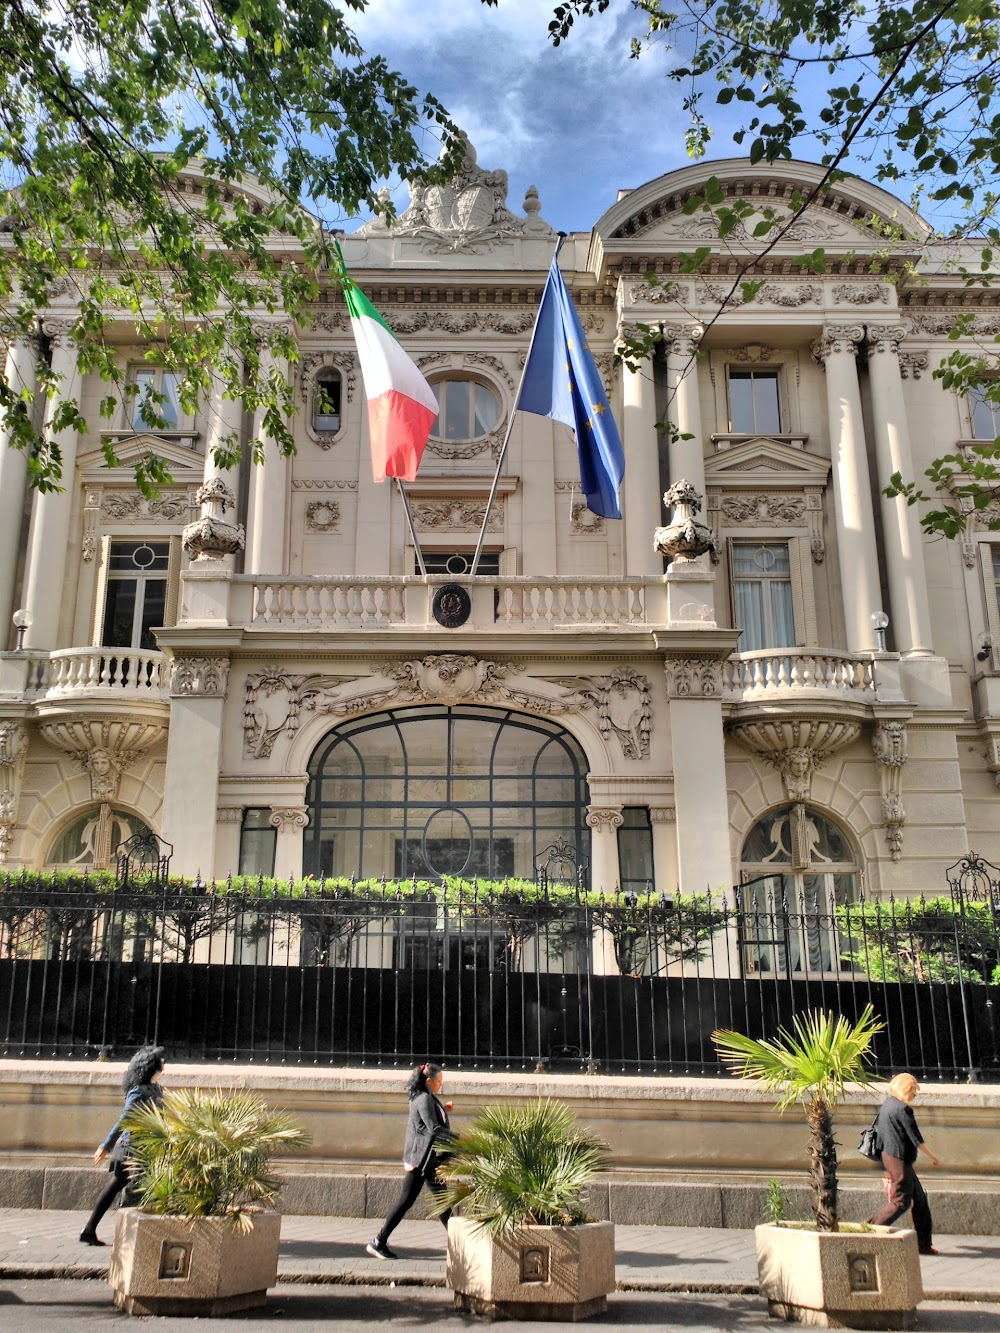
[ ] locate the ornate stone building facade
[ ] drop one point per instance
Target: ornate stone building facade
(774, 676)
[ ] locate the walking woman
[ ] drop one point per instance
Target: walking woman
(427, 1132)
(140, 1085)
(901, 1141)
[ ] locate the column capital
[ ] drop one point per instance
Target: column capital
(886, 337)
(288, 819)
(683, 339)
(838, 338)
(60, 331)
(605, 817)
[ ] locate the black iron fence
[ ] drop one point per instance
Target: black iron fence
(514, 975)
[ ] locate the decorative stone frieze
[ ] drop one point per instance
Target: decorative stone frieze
(889, 743)
(772, 293)
(763, 509)
(492, 363)
(605, 818)
(457, 514)
(693, 677)
(13, 749)
(749, 353)
(330, 321)
(323, 484)
(131, 507)
(795, 748)
(323, 516)
(230, 814)
(941, 322)
(275, 698)
(684, 538)
(289, 819)
(671, 293)
(861, 293)
(205, 676)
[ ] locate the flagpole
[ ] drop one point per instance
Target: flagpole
(413, 532)
(507, 433)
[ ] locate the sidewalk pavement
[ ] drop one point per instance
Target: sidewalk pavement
(43, 1244)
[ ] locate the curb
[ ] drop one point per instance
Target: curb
(84, 1272)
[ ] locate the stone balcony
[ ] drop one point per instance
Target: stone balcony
(823, 674)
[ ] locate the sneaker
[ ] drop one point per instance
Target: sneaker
(379, 1249)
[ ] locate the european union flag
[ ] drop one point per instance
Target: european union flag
(561, 381)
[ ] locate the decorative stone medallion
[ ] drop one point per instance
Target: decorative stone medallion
(451, 606)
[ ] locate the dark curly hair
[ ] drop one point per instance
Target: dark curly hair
(419, 1079)
(146, 1062)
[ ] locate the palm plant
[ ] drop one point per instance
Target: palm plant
(519, 1166)
(201, 1154)
(811, 1065)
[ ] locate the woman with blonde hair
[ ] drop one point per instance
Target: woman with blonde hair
(900, 1142)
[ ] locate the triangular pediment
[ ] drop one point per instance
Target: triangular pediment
(760, 459)
(185, 464)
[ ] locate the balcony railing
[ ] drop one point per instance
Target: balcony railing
(378, 603)
(776, 673)
(116, 673)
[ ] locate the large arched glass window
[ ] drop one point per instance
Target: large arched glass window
(431, 791)
(797, 868)
(468, 409)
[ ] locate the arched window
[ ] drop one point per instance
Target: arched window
(469, 409)
(797, 867)
(327, 401)
(76, 844)
(432, 791)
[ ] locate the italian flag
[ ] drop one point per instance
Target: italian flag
(401, 405)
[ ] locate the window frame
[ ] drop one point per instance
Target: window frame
(474, 381)
(105, 576)
(185, 422)
(973, 400)
(769, 372)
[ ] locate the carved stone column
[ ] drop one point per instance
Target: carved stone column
(198, 686)
(289, 821)
(13, 748)
(694, 694)
(48, 539)
(22, 376)
(641, 485)
(857, 554)
(604, 821)
(211, 537)
(687, 458)
(904, 551)
(889, 747)
(269, 486)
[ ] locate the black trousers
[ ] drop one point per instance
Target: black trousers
(413, 1183)
(905, 1192)
(118, 1182)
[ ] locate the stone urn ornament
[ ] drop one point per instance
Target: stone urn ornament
(212, 536)
(684, 538)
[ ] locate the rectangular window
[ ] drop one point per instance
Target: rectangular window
(156, 400)
(635, 850)
(754, 406)
(458, 563)
(136, 594)
(985, 416)
(258, 839)
(762, 591)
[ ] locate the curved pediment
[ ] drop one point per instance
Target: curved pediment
(839, 219)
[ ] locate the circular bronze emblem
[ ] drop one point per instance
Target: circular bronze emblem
(451, 606)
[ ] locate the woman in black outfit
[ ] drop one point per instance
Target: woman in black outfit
(426, 1131)
(900, 1141)
(141, 1088)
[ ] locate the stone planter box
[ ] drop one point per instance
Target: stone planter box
(539, 1273)
(192, 1266)
(840, 1279)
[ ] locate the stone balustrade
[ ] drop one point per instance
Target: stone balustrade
(113, 673)
(513, 602)
(777, 673)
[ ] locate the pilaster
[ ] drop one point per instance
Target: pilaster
(604, 823)
(855, 517)
(21, 378)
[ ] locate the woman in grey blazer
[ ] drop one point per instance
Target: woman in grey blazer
(427, 1131)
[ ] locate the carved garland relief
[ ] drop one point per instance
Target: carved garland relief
(275, 698)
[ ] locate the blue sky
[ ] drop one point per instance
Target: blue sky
(579, 121)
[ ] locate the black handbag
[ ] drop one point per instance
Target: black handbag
(868, 1144)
